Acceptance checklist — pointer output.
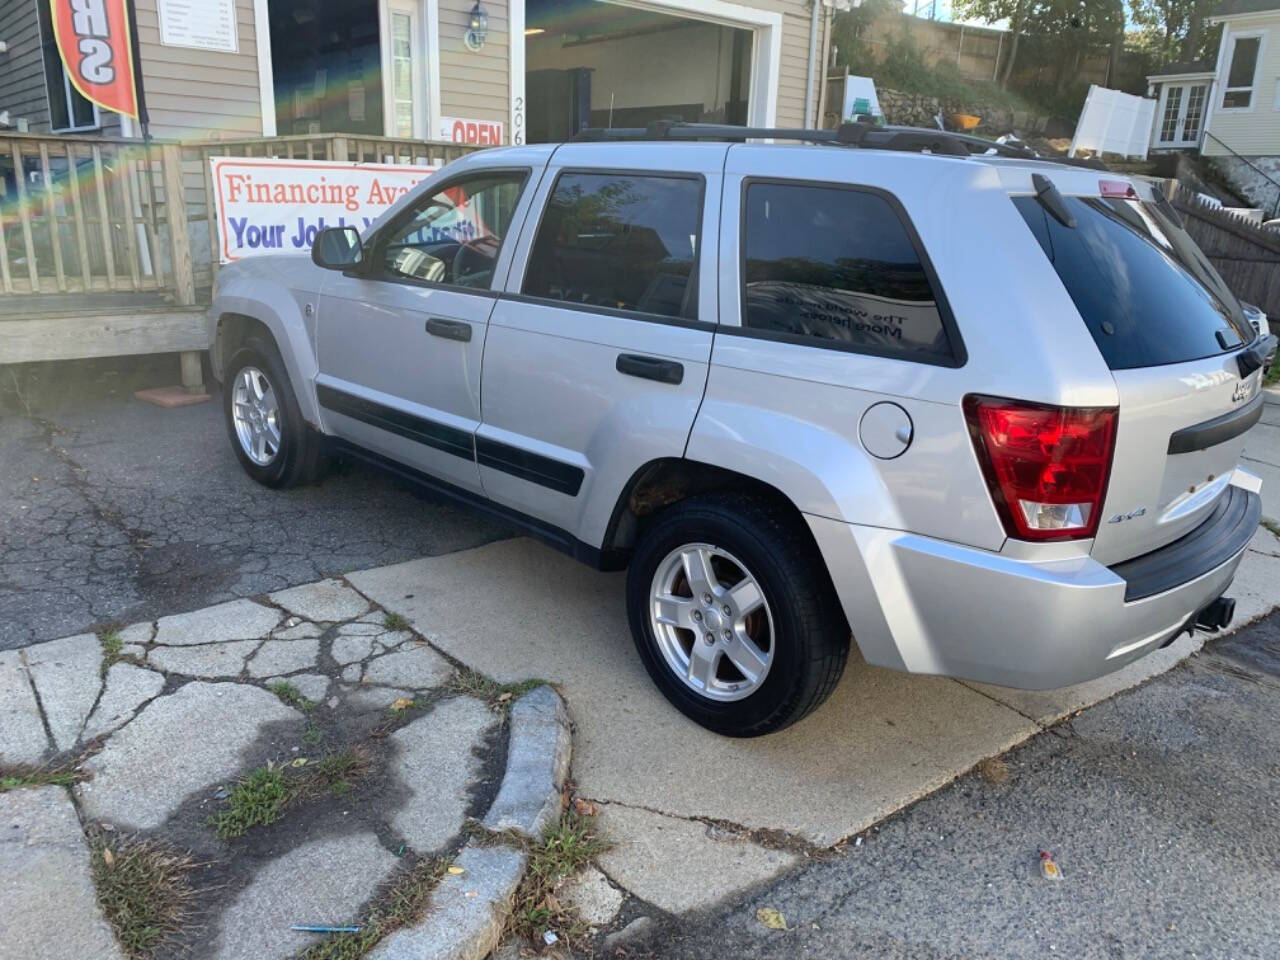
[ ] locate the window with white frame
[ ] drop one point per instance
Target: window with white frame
(68, 108)
(1238, 92)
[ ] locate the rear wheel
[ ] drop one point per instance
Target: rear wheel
(734, 615)
(272, 441)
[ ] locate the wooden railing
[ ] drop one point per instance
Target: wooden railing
(92, 214)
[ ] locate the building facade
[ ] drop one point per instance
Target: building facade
(515, 70)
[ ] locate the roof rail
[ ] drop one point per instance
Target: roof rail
(860, 134)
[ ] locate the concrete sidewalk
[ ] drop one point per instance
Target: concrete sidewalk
(313, 753)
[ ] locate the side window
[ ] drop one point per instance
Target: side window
(454, 236)
(623, 241)
(838, 267)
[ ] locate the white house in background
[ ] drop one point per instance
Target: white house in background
(1229, 108)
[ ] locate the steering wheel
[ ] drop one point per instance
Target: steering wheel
(484, 248)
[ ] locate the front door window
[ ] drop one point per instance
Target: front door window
(1169, 119)
(402, 73)
(1182, 115)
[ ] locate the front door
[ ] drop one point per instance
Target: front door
(399, 348)
(1182, 109)
(598, 350)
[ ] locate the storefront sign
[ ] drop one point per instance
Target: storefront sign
(485, 133)
(93, 41)
(203, 24)
(278, 206)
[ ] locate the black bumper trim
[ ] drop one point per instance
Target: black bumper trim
(1225, 533)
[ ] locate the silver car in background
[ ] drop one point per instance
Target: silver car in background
(984, 413)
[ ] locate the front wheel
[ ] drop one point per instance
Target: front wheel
(271, 440)
(734, 615)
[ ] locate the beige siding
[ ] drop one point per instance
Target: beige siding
(22, 90)
(200, 93)
(1255, 133)
(795, 59)
(475, 85)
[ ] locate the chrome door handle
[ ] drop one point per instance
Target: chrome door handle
(449, 329)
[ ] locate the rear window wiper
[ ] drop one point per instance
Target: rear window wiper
(1052, 200)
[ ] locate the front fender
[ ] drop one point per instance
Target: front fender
(282, 311)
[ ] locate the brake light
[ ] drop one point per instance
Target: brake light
(1046, 467)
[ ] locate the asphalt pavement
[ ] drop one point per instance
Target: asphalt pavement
(1160, 805)
(115, 511)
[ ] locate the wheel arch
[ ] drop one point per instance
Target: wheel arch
(240, 320)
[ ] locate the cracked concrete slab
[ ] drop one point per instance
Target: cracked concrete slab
(126, 688)
(367, 699)
(22, 735)
(283, 656)
(211, 661)
(313, 686)
(681, 865)
(299, 631)
(417, 667)
(345, 649)
(51, 911)
(327, 600)
(593, 896)
(324, 881)
(142, 775)
(235, 620)
(444, 742)
(138, 633)
(882, 740)
(67, 676)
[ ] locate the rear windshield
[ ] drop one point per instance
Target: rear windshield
(1146, 292)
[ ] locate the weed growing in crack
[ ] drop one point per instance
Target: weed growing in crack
(473, 683)
(112, 648)
(16, 777)
(393, 621)
(144, 890)
(566, 849)
(291, 695)
(256, 801)
(335, 773)
(312, 735)
(401, 904)
(1271, 525)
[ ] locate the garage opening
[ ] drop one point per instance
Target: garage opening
(595, 64)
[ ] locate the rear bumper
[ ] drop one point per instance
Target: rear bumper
(927, 606)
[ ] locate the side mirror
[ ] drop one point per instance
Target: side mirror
(337, 248)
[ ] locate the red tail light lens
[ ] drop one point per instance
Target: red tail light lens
(1047, 467)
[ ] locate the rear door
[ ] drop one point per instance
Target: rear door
(597, 351)
(1171, 331)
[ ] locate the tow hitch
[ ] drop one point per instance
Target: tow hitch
(1217, 614)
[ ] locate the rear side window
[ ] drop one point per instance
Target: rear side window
(837, 267)
(620, 241)
(1147, 293)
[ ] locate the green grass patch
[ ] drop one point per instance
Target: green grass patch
(569, 847)
(312, 735)
(256, 801)
(292, 696)
(393, 621)
(401, 904)
(337, 772)
(144, 890)
(1273, 375)
(17, 777)
(1271, 525)
(475, 684)
(112, 645)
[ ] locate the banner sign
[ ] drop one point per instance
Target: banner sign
(278, 206)
(93, 41)
(487, 133)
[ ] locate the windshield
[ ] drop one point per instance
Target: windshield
(1147, 293)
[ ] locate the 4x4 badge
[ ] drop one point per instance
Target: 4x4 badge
(1243, 389)
(1122, 517)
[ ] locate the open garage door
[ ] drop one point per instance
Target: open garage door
(595, 64)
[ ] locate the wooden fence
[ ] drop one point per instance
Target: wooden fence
(91, 214)
(1246, 254)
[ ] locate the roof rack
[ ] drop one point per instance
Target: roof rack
(860, 134)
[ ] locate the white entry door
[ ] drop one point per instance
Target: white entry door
(404, 69)
(1182, 108)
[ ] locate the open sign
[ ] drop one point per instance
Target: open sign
(483, 133)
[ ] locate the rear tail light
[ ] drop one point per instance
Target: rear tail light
(1047, 467)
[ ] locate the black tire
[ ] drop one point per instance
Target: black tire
(299, 457)
(810, 633)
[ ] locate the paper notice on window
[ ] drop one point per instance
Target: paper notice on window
(202, 24)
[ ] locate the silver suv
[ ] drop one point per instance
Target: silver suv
(984, 412)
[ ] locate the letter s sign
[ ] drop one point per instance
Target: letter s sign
(94, 43)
